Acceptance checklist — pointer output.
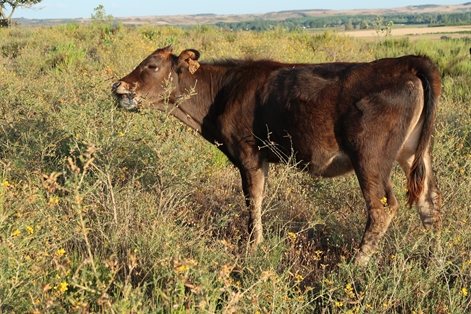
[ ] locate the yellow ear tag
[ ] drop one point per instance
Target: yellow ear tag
(194, 65)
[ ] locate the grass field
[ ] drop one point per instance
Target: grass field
(103, 210)
(415, 33)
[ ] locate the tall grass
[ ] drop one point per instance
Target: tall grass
(103, 210)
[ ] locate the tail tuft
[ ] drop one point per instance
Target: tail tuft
(415, 182)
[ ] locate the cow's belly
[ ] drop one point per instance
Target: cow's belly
(336, 165)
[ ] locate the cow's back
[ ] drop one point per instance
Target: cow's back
(297, 109)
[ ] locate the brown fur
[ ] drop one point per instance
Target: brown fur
(334, 117)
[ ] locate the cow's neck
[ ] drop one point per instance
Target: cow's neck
(188, 118)
(196, 110)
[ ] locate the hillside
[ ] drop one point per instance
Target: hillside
(209, 18)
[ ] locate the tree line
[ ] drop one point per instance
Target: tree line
(350, 22)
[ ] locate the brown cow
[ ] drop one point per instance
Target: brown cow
(335, 118)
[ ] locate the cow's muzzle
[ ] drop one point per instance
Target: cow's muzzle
(126, 97)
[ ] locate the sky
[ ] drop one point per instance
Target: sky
(49, 9)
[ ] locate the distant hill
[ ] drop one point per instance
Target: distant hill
(209, 18)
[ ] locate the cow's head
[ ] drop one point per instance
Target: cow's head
(146, 83)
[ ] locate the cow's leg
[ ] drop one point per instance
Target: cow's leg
(381, 206)
(373, 164)
(253, 184)
(429, 202)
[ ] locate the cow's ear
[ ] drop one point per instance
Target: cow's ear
(187, 60)
(169, 48)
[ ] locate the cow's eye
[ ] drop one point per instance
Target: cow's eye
(153, 67)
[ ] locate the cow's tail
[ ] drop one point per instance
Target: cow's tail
(430, 77)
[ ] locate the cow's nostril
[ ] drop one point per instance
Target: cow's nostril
(115, 85)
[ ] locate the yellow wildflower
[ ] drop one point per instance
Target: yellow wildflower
(384, 200)
(327, 281)
(182, 268)
(30, 229)
(338, 304)
(185, 265)
(299, 277)
(16, 233)
(288, 191)
(349, 290)
(292, 235)
(53, 201)
(464, 292)
(5, 184)
(63, 287)
(387, 305)
(60, 252)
